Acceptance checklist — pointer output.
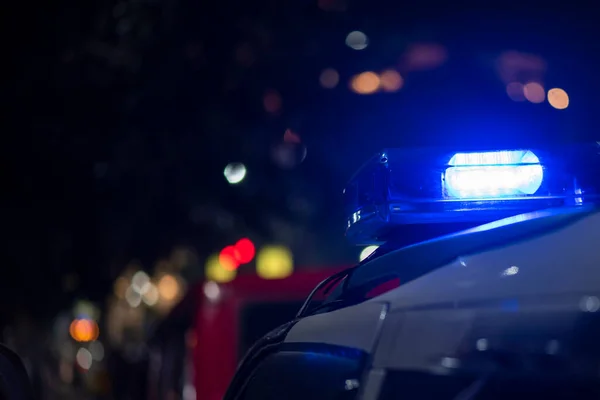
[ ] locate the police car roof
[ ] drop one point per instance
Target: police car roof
(542, 253)
(546, 259)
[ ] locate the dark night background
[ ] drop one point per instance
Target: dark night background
(120, 117)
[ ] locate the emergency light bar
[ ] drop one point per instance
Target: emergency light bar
(418, 186)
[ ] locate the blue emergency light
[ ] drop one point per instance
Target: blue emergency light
(418, 186)
(493, 174)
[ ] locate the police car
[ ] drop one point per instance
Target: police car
(506, 308)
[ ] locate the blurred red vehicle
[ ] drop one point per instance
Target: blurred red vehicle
(197, 348)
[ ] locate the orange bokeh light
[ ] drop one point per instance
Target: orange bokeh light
(365, 83)
(534, 92)
(558, 98)
(228, 258)
(84, 330)
(391, 80)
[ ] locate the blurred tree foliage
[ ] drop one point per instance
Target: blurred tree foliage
(124, 115)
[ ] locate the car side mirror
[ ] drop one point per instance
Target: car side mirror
(14, 380)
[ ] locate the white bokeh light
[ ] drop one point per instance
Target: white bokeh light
(151, 296)
(189, 392)
(235, 173)
(133, 297)
(97, 351)
(212, 291)
(357, 40)
(84, 358)
(366, 252)
(140, 282)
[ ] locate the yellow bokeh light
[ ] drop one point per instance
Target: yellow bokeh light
(168, 287)
(558, 98)
(214, 271)
(534, 92)
(274, 262)
(391, 80)
(365, 83)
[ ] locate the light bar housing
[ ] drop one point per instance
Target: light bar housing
(431, 186)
